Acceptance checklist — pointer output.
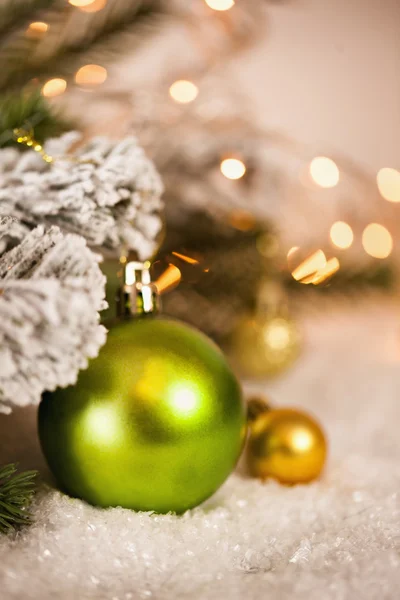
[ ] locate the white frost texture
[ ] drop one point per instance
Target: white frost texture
(109, 192)
(51, 292)
(336, 539)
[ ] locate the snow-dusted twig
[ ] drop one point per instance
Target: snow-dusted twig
(109, 192)
(51, 292)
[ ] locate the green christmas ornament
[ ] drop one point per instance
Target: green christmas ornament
(157, 421)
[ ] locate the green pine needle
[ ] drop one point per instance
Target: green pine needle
(15, 14)
(16, 492)
(28, 110)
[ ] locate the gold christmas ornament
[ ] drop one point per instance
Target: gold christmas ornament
(268, 342)
(285, 444)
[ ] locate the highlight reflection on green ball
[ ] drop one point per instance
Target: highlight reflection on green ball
(157, 421)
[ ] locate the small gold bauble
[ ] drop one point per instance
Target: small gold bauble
(287, 445)
(265, 346)
(256, 405)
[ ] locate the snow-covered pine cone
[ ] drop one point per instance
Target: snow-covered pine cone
(51, 292)
(109, 192)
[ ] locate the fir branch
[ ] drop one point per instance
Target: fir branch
(16, 492)
(28, 110)
(22, 65)
(14, 15)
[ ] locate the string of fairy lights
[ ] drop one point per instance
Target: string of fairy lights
(323, 171)
(376, 239)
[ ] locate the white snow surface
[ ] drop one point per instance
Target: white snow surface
(338, 538)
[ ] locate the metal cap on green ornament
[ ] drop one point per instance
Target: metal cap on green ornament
(138, 294)
(156, 423)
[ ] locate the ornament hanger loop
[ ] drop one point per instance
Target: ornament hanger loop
(140, 294)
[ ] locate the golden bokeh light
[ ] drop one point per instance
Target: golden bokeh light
(232, 168)
(37, 29)
(324, 172)
(169, 279)
(309, 266)
(81, 3)
(54, 87)
(91, 75)
(332, 266)
(277, 335)
(388, 181)
(315, 268)
(341, 235)
(183, 91)
(242, 220)
(377, 241)
(185, 258)
(220, 4)
(94, 6)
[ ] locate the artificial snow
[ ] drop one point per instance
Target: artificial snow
(338, 538)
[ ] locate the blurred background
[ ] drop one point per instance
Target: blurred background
(274, 125)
